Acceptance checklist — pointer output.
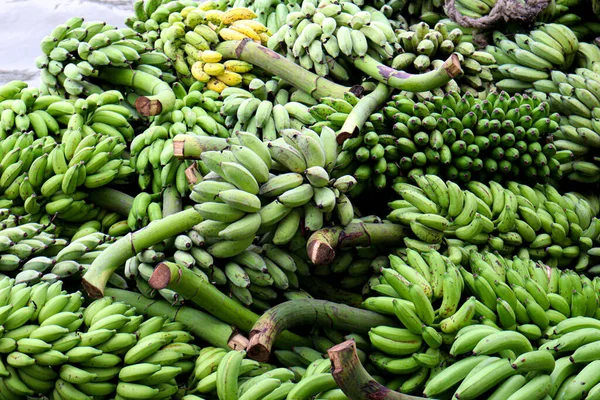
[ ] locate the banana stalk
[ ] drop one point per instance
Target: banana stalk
(95, 279)
(322, 244)
(201, 324)
(353, 378)
(194, 288)
(361, 112)
(277, 65)
(162, 96)
(112, 200)
(411, 83)
(308, 312)
(192, 146)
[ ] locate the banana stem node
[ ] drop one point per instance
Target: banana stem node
(308, 312)
(361, 112)
(322, 244)
(353, 378)
(411, 83)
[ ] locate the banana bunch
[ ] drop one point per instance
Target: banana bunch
(33, 252)
(266, 108)
(45, 174)
(217, 75)
(255, 277)
(74, 50)
(240, 198)
(319, 35)
(466, 137)
(474, 8)
(429, 11)
(149, 15)
(187, 38)
(52, 344)
(576, 97)
(270, 13)
(228, 374)
(561, 12)
(537, 222)
(531, 57)
(517, 304)
(425, 47)
(151, 152)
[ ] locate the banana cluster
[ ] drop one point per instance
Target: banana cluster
(541, 223)
(425, 47)
(474, 8)
(217, 75)
(188, 35)
(319, 35)
(229, 375)
(32, 252)
(51, 344)
(241, 198)
(255, 277)
(531, 57)
(74, 50)
(442, 350)
(266, 108)
(43, 174)
(429, 11)
(576, 96)
(468, 138)
(152, 151)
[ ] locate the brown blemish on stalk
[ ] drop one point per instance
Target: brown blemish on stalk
(269, 52)
(388, 72)
(240, 47)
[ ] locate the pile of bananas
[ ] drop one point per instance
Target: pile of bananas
(257, 277)
(35, 252)
(221, 374)
(531, 57)
(242, 199)
(74, 51)
(319, 35)
(151, 152)
(458, 137)
(577, 97)
(425, 47)
(266, 108)
(44, 174)
(541, 223)
(51, 344)
(516, 305)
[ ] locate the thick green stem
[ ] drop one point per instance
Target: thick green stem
(162, 97)
(404, 81)
(95, 279)
(276, 64)
(111, 200)
(192, 146)
(322, 244)
(202, 293)
(353, 378)
(309, 312)
(361, 112)
(200, 324)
